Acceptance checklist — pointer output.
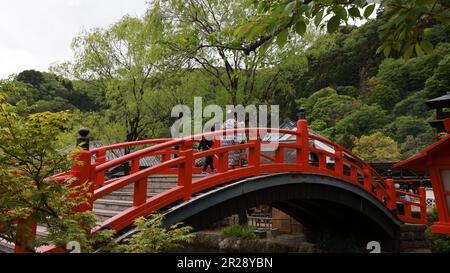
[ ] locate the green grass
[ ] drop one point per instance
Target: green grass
(242, 231)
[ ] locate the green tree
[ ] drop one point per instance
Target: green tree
(403, 29)
(412, 145)
(333, 108)
(42, 91)
(28, 158)
(201, 34)
(413, 105)
(385, 96)
(407, 125)
(377, 148)
(439, 83)
(120, 60)
(363, 121)
(410, 76)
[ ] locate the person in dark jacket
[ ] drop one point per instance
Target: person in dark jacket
(205, 145)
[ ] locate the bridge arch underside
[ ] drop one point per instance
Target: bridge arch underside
(320, 203)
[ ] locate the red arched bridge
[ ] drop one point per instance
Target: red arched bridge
(329, 191)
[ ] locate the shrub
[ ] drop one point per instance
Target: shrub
(242, 231)
(438, 242)
(153, 238)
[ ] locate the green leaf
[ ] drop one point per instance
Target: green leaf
(387, 51)
(426, 46)
(300, 27)
(340, 11)
(290, 7)
(318, 18)
(243, 29)
(354, 12)
(282, 38)
(369, 10)
(264, 47)
(380, 49)
(419, 50)
(333, 24)
(407, 51)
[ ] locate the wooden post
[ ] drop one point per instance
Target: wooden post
(322, 162)
(255, 154)
(279, 155)
(379, 192)
(167, 155)
(339, 162)
(423, 205)
(392, 202)
(140, 187)
(83, 174)
(185, 169)
(100, 159)
(367, 178)
(302, 140)
(216, 161)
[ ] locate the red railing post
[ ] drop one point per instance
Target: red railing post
(100, 159)
(140, 187)
(322, 162)
(185, 169)
(339, 161)
(167, 154)
(379, 190)
(354, 174)
(255, 153)
(408, 216)
(367, 179)
(216, 158)
(302, 140)
(423, 205)
(83, 171)
(222, 162)
(25, 233)
(279, 155)
(392, 194)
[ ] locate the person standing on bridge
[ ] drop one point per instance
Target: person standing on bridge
(205, 145)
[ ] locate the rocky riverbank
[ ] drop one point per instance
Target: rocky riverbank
(215, 241)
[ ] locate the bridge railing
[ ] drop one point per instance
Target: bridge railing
(412, 208)
(339, 163)
(358, 172)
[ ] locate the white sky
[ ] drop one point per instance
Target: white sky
(37, 33)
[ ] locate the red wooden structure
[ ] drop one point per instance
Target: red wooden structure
(346, 167)
(436, 160)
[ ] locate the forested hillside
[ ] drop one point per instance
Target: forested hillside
(352, 93)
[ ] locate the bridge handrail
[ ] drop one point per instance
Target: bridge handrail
(174, 142)
(360, 160)
(137, 154)
(129, 144)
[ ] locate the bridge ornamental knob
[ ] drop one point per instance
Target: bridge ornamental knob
(302, 113)
(83, 139)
